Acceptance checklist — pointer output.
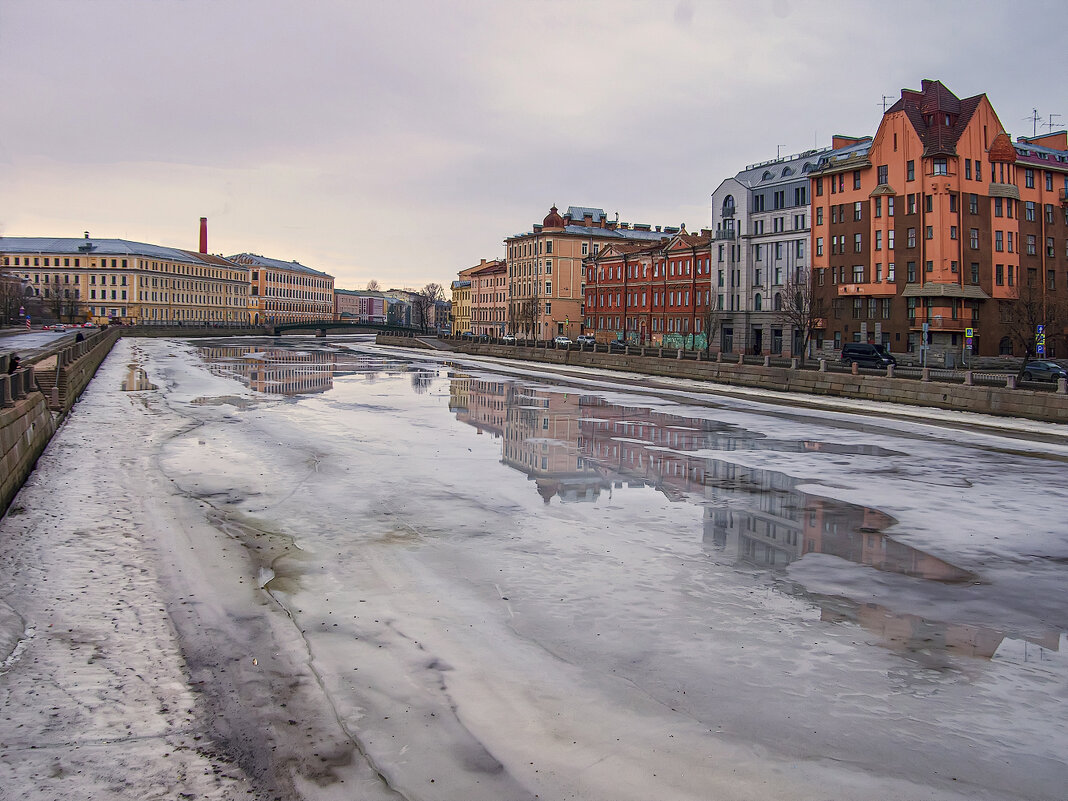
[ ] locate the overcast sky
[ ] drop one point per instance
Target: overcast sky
(403, 141)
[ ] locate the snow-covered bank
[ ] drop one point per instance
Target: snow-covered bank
(466, 586)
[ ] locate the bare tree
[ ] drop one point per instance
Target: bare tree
(800, 310)
(11, 299)
(1028, 309)
(373, 286)
(711, 321)
(425, 302)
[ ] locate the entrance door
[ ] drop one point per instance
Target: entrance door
(758, 341)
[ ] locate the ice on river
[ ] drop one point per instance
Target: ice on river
(435, 579)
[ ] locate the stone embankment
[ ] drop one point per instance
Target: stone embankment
(34, 399)
(1007, 401)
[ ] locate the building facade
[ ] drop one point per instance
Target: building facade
(653, 293)
(460, 313)
(934, 236)
(286, 291)
(114, 280)
(489, 298)
(365, 306)
(545, 272)
(762, 218)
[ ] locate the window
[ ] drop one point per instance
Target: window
(973, 239)
(1010, 247)
(999, 241)
(1050, 249)
(856, 179)
(1032, 247)
(858, 243)
(878, 273)
(585, 248)
(999, 207)
(911, 204)
(819, 246)
(953, 202)
(858, 214)
(911, 238)
(858, 273)
(819, 216)
(1049, 181)
(910, 170)
(928, 232)
(889, 207)
(1010, 272)
(878, 240)
(1051, 279)
(858, 308)
(1029, 211)
(819, 187)
(548, 287)
(884, 174)
(1049, 213)
(878, 204)
(890, 239)
(999, 274)
(890, 272)
(548, 308)
(968, 169)
(1029, 178)
(975, 272)
(941, 166)
(928, 203)
(929, 267)
(973, 204)
(952, 232)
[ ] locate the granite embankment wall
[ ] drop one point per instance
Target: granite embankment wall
(34, 401)
(26, 426)
(1030, 404)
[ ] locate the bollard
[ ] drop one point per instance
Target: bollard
(767, 361)
(741, 358)
(55, 397)
(699, 355)
(642, 351)
(968, 379)
(793, 363)
(1010, 382)
(719, 356)
(678, 354)
(18, 385)
(1062, 386)
(660, 353)
(5, 391)
(926, 374)
(854, 369)
(823, 365)
(889, 371)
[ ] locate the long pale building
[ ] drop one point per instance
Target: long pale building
(115, 280)
(286, 291)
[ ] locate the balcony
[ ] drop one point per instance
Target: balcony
(872, 290)
(728, 211)
(725, 234)
(1064, 196)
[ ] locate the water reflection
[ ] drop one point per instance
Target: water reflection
(136, 379)
(575, 447)
(279, 370)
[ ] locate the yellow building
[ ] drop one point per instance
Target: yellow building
(286, 291)
(461, 299)
(113, 280)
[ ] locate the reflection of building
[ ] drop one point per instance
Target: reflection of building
(273, 371)
(576, 446)
(287, 291)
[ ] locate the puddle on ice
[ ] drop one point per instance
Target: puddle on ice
(136, 380)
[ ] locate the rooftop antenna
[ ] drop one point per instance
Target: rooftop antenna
(1034, 120)
(1050, 124)
(885, 99)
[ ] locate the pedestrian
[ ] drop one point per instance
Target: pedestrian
(79, 337)
(13, 363)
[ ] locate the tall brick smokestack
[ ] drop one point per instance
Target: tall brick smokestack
(203, 234)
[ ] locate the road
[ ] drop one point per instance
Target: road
(318, 570)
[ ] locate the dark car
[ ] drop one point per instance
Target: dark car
(617, 346)
(864, 354)
(1043, 370)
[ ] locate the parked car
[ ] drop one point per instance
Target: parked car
(864, 354)
(1043, 370)
(508, 339)
(467, 335)
(617, 346)
(586, 339)
(562, 341)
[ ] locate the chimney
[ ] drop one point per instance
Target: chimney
(203, 234)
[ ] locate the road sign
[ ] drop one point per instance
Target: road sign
(1040, 340)
(969, 332)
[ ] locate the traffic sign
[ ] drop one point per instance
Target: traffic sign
(1040, 340)
(969, 332)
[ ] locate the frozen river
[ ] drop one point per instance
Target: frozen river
(331, 570)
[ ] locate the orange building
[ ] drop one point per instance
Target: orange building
(489, 298)
(941, 225)
(286, 291)
(545, 268)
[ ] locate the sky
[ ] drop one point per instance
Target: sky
(403, 141)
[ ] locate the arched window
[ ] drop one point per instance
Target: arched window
(757, 302)
(728, 204)
(1005, 347)
(767, 176)
(787, 171)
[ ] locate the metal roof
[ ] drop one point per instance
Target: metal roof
(255, 260)
(103, 247)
